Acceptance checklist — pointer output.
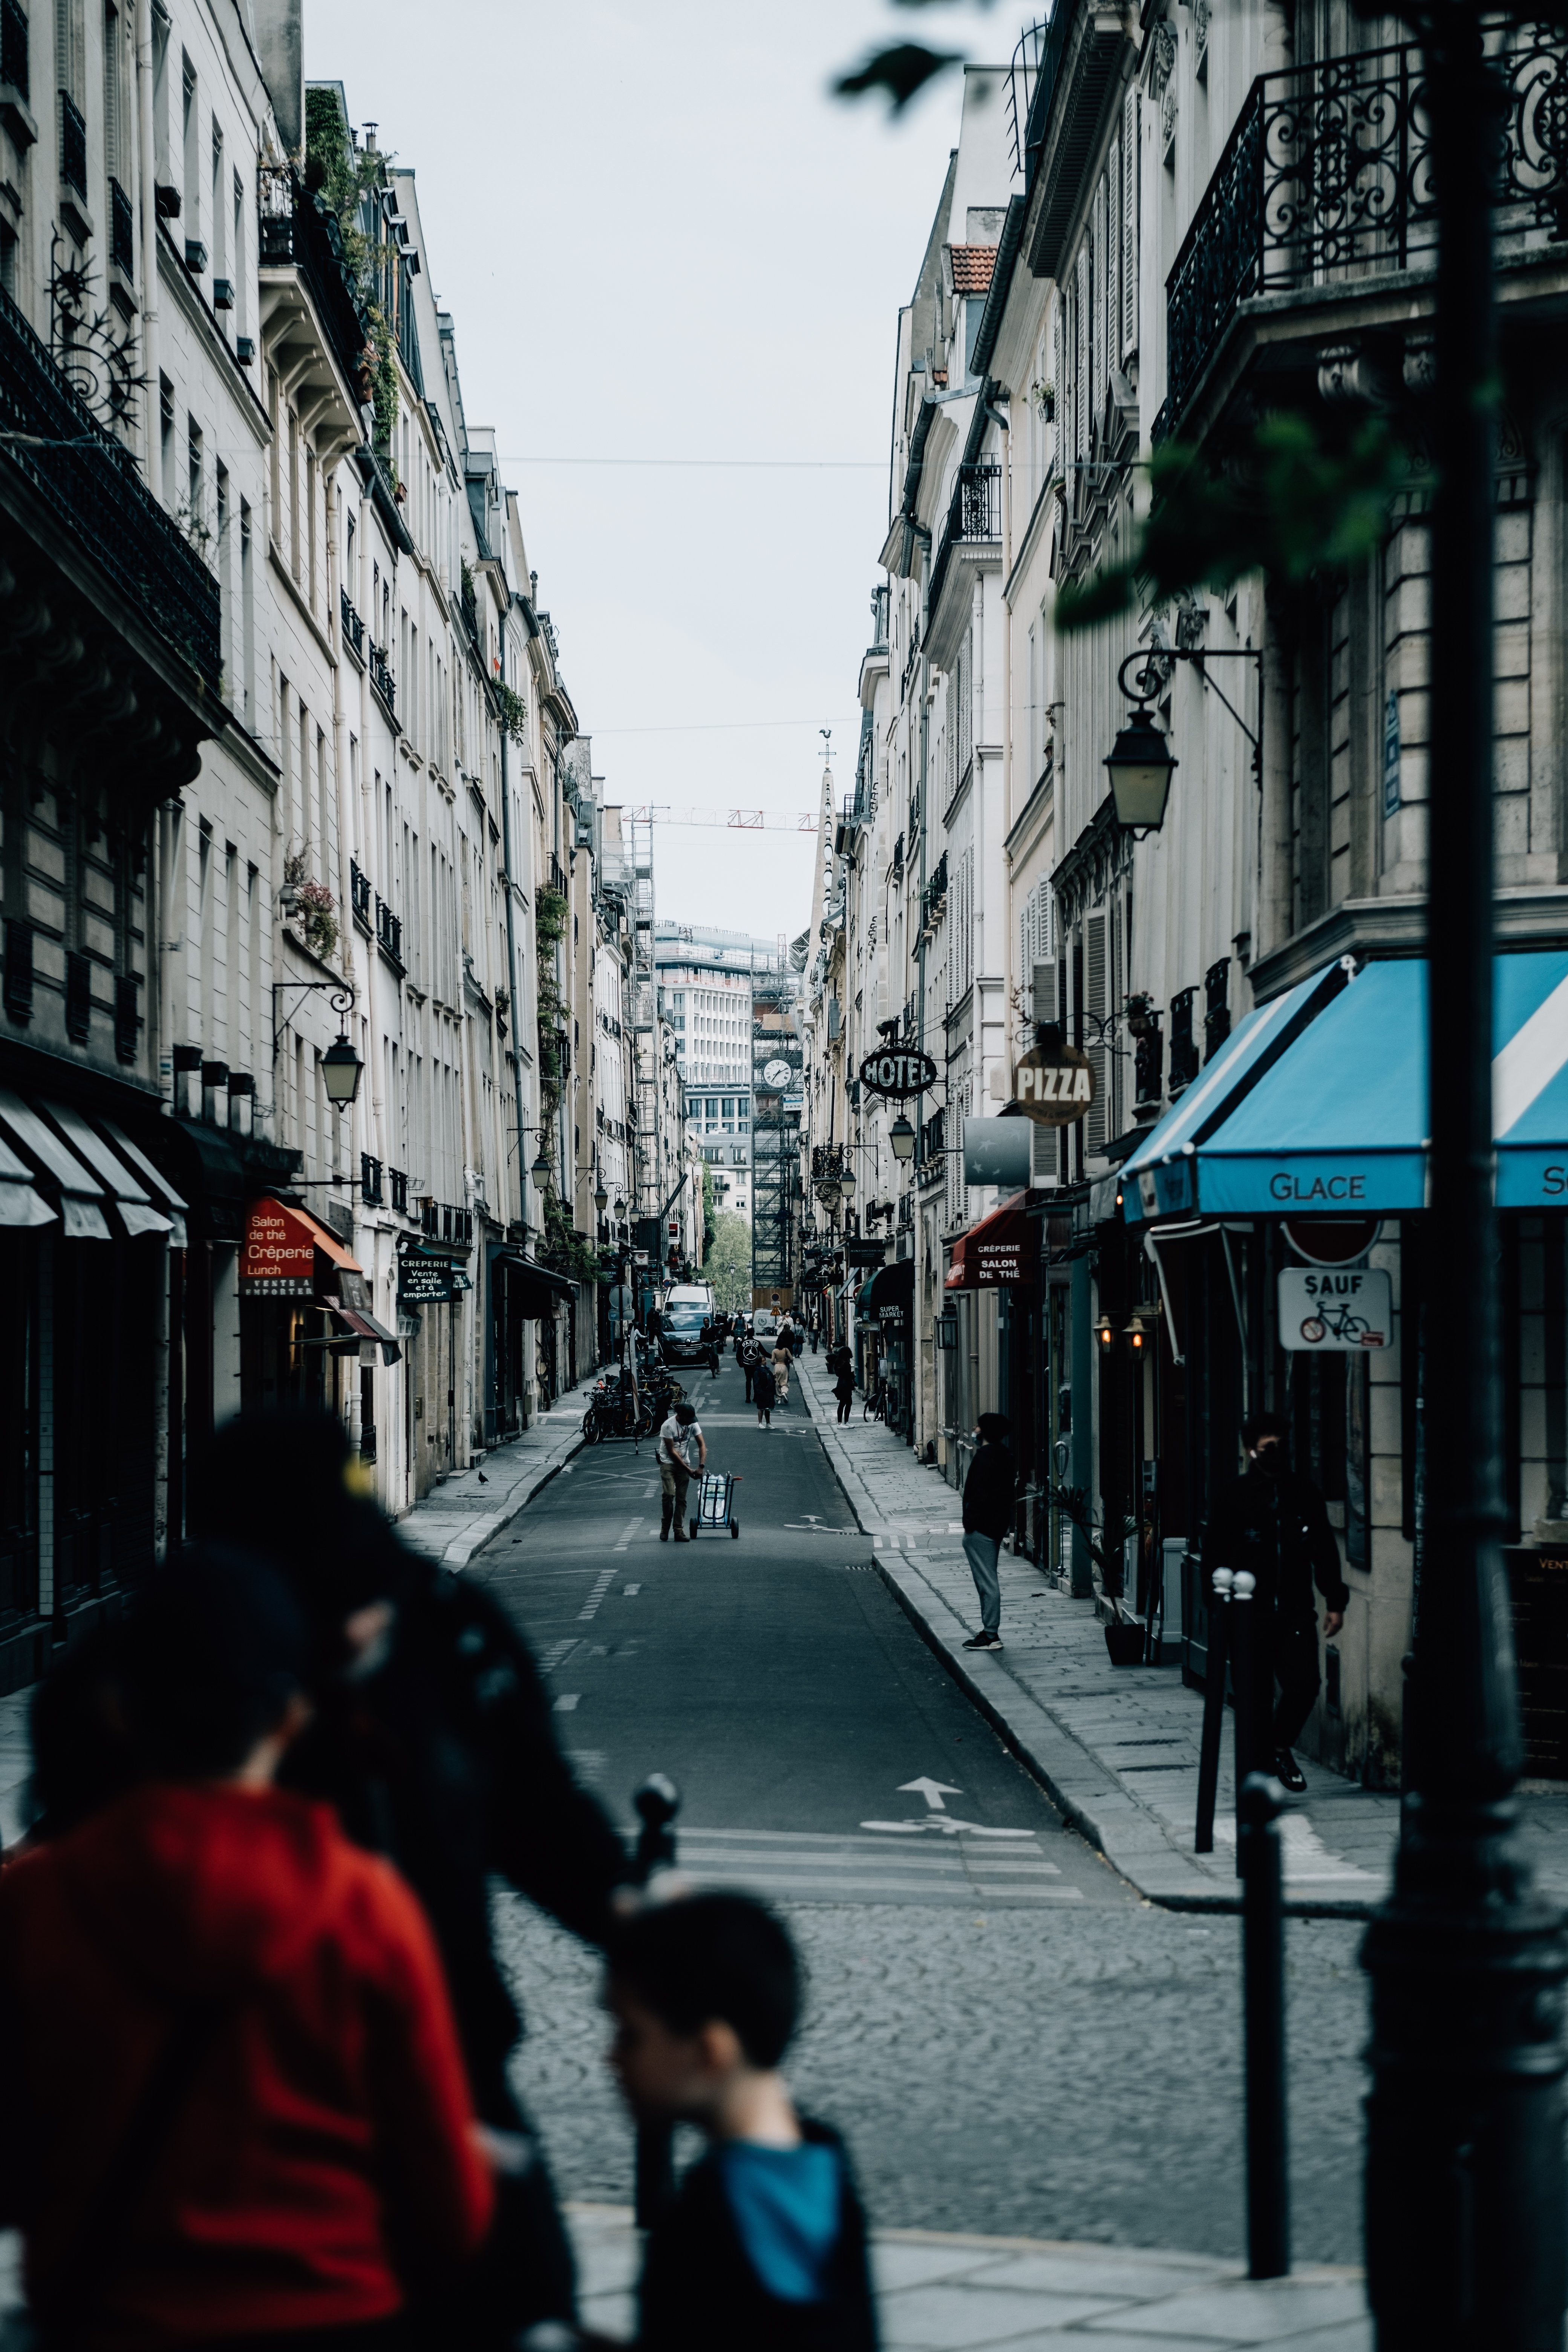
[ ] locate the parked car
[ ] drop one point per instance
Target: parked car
(688, 1309)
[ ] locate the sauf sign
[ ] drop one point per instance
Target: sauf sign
(1327, 1310)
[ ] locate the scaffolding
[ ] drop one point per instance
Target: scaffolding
(777, 1096)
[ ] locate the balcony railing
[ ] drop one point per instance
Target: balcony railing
(296, 227)
(73, 144)
(14, 49)
(557, 876)
(974, 514)
(397, 1184)
(361, 893)
(381, 677)
(389, 933)
(369, 1180)
(440, 1223)
(353, 625)
(1327, 178)
(90, 485)
(121, 230)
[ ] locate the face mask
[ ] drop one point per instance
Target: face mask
(1270, 1460)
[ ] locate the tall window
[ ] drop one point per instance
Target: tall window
(193, 166)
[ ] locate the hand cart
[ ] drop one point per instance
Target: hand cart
(716, 1504)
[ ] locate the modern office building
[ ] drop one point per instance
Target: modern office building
(705, 982)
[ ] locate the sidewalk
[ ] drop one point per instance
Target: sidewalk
(960, 2293)
(1117, 1747)
(448, 1526)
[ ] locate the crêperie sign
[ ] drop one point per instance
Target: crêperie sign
(1054, 1085)
(896, 1071)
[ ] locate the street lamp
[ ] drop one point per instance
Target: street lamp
(342, 1070)
(544, 1168)
(620, 1208)
(1140, 765)
(901, 1136)
(846, 1181)
(600, 1198)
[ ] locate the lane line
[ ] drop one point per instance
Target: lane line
(602, 1584)
(627, 1532)
(567, 1702)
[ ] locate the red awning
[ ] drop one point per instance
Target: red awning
(278, 1259)
(1002, 1248)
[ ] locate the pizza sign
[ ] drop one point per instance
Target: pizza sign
(897, 1071)
(1054, 1088)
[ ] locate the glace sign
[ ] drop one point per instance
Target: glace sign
(895, 1071)
(1329, 1310)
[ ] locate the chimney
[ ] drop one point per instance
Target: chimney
(281, 46)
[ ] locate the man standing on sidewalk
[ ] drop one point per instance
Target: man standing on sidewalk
(682, 1450)
(988, 1494)
(1276, 1525)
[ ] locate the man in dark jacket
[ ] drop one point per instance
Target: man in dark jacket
(988, 1494)
(1274, 1524)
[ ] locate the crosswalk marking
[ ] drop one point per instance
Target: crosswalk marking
(813, 1866)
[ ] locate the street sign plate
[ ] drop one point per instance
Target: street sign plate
(1338, 1310)
(897, 1071)
(1055, 1085)
(1331, 1241)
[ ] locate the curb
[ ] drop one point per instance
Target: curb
(1086, 1795)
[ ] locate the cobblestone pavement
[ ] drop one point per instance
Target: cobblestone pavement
(1117, 1747)
(1076, 2076)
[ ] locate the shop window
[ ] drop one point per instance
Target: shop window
(1184, 1045)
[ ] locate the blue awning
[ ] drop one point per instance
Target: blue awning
(1160, 1178)
(1337, 1122)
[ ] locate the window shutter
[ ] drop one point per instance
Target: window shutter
(1059, 372)
(1083, 308)
(1114, 255)
(1094, 1005)
(1129, 189)
(1099, 348)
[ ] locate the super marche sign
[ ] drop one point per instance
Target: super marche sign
(898, 1072)
(1339, 1309)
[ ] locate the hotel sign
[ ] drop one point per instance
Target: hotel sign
(897, 1072)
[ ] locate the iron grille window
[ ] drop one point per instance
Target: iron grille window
(397, 1181)
(79, 998)
(370, 1181)
(121, 230)
(19, 971)
(361, 893)
(14, 48)
(389, 931)
(1184, 1045)
(1216, 1007)
(354, 626)
(126, 1019)
(1147, 1060)
(73, 144)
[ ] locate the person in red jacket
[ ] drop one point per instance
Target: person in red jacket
(236, 2107)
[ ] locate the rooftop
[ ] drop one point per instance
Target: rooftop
(971, 267)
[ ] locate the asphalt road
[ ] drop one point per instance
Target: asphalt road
(1012, 2040)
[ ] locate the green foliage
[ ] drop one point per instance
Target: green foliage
(902, 71)
(1289, 503)
(726, 1260)
(343, 175)
(513, 711)
(563, 1247)
(549, 912)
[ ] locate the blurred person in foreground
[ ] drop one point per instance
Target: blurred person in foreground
(435, 1739)
(763, 2244)
(235, 2104)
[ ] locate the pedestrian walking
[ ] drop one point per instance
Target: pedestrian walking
(988, 1493)
(841, 1364)
(711, 1335)
(765, 2243)
(1275, 1522)
(682, 1452)
(815, 1328)
(435, 1739)
(783, 1359)
(747, 1355)
(764, 1389)
(235, 2097)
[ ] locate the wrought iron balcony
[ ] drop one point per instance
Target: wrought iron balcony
(974, 516)
(439, 1222)
(389, 933)
(88, 481)
(397, 1184)
(361, 893)
(369, 1180)
(121, 230)
(73, 144)
(297, 228)
(381, 677)
(1326, 180)
(353, 625)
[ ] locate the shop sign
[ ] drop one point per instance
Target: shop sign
(278, 1258)
(423, 1281)
(897, 1072)
(997, 1259)
(865, 1253)
(1055, 1085)
(1335, 1310)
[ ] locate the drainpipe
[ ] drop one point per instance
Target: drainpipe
(149, 241)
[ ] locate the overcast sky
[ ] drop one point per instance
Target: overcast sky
(659, 238)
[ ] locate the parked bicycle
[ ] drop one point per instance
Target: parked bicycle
(878, 1401)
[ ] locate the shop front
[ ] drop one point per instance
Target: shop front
(309, 1333)
(889, 1306)
(1276, 1259)
(530, 1307)
(990, 1365)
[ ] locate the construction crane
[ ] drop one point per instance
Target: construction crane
(734, 820)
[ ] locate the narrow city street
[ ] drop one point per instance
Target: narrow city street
(1013, 2041)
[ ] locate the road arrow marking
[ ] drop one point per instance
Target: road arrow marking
(945, 1825)
(933, 1792)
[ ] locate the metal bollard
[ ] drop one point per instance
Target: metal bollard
(1263, 1993)
(658, 1802)
(1243, 1671)
(1214, 1709)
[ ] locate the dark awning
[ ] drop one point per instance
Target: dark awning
(365, 1327)
(893, 1297)
(532, 1289)
(1003, 1247)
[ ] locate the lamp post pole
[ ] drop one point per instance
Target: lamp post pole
(1465, 2180)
